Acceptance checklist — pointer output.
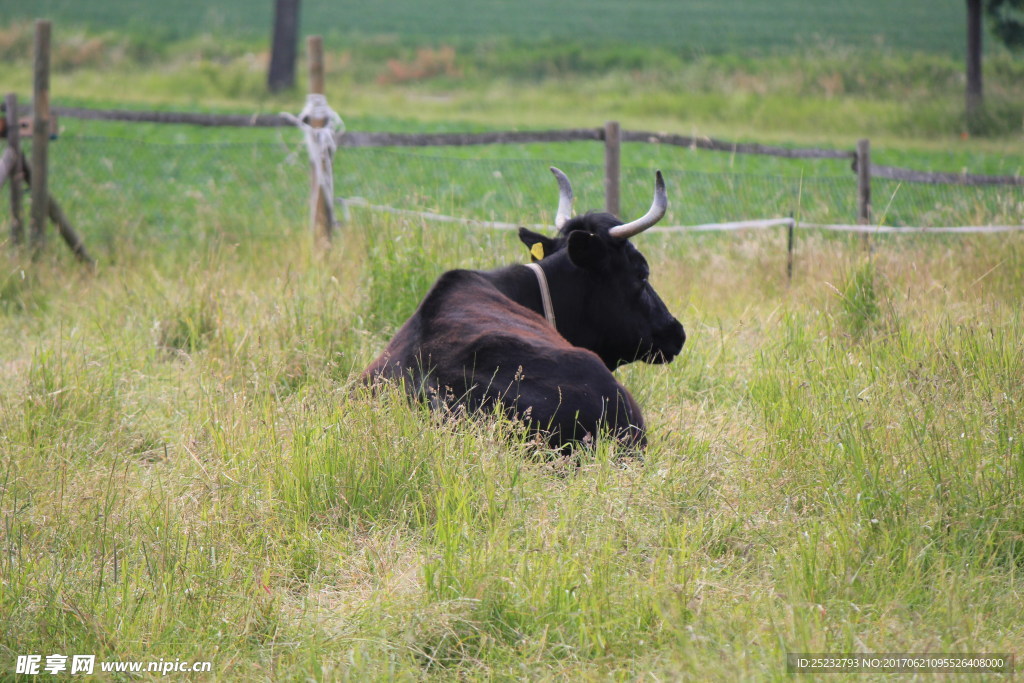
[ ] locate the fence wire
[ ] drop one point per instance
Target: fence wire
(118, 189)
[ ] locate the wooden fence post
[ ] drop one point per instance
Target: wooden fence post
(40, 134)
(60, 219)
(612, 166)
(14, 144)
(321, 207)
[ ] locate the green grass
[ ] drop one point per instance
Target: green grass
(809, 91)
(690, 27)
(811, 96)
(189, 473)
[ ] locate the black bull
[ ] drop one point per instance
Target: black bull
(483, 338)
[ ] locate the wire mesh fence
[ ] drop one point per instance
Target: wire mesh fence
(932, 205)
(182, 188)
(119, 189)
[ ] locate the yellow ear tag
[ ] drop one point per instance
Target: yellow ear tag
(537, 251)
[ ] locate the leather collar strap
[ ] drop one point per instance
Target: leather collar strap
(545, 292)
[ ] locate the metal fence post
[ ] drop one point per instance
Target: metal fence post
(864, 181)
(790, 243)
(864, 188)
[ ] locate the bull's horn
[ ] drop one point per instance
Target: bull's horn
(653, 215)
(564, 212)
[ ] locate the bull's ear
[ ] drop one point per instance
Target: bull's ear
(586, 249)
(539, 245)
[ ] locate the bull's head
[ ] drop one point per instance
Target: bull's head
(599, 283)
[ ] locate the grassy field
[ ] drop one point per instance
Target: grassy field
(819, 93)
(188, 471)
(684, 27)
(792, 71)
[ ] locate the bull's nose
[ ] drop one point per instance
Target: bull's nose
(675, 337)
(668, 342)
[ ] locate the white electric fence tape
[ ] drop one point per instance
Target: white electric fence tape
(704, 227)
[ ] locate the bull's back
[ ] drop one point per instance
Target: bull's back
(470, 343)
(399, 354)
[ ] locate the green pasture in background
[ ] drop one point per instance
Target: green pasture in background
(694, 27)
(780, 70)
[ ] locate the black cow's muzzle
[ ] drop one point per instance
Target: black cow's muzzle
(668, 342)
